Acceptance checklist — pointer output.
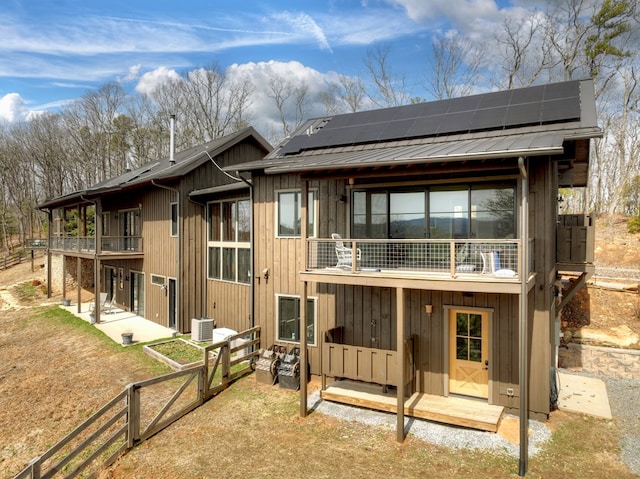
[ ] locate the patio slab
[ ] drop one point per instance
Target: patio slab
(117, 322)
(583, 395)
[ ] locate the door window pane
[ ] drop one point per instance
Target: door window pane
(289, 319)
(214, 263)
(229, 264)
(244, 220)
(493, 212)
(407, 215)
(448, 213)
(244, 265)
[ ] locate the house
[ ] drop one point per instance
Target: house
(420, 247)
(170, 240)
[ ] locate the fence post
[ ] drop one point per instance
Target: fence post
(133, 415)
(203, 386)
(226, 363)
(35, 467)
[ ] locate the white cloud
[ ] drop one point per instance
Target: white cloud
(134, 71)
(263, 111)
(150, 80)
(13, 108)
(303, 25)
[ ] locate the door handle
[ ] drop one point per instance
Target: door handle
(486, 364)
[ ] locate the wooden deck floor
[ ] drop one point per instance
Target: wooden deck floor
(471, 413)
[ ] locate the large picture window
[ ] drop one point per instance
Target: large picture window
(483, 211)
(229, 232)
(290, 213)
(289, 319)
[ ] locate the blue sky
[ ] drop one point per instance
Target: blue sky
(53, 51)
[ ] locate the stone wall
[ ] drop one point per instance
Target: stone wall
(71, 279)
(613, 362)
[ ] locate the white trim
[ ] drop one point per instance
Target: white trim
(310, 342)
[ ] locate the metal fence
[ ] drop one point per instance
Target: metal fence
(444, 257)
(115, 244)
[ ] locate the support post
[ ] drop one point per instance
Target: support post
(523, 330)
(303, 302)
(400, 365)
(79, 281)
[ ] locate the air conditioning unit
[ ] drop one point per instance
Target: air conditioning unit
(202, 329)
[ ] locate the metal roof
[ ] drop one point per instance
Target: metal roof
(162, 170)
(531, 121)
(522, 142)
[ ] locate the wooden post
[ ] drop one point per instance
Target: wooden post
(133, 415)
(35, 468)
(48, 251)
(97, 264)
(79, 276)
(400, 365)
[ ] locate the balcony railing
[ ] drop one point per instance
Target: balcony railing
(109, 244)
(498, 258)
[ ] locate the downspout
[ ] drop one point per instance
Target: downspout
(524, 263)
(179, 266)
(96, 254)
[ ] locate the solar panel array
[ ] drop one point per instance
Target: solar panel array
(537, 105)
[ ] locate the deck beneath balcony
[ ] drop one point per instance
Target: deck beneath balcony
(456, 411)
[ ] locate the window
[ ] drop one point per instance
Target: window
(228, 234)
(484, 211)
(290, 213)
(106, 221)
(157, 280)
(174, 219)
(289, 319)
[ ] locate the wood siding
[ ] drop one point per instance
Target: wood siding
(368, 314)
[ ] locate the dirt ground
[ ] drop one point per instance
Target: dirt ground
(51, 379)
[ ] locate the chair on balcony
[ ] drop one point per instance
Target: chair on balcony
(344, 254)
(491, 265)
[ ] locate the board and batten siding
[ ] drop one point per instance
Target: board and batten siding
(228, 303)
(283, 257)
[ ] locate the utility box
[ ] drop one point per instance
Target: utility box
(202, 329)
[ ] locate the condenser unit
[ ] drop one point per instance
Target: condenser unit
(202, 329)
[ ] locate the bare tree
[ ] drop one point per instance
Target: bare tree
(291, 102)
(456, 67)
(524, 49)
(344, 96)
(388, 88)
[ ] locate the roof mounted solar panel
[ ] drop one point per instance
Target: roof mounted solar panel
(557, 102)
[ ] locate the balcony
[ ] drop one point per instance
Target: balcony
(457, 265)
(110, 245)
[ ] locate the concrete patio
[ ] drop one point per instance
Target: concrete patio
(115, 323)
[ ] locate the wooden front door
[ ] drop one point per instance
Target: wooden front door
(469, 353)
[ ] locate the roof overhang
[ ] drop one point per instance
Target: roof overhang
(530, 142)
(204, 193)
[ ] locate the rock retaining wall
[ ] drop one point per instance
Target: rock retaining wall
(613, 362)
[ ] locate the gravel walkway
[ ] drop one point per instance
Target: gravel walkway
(454, 437)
